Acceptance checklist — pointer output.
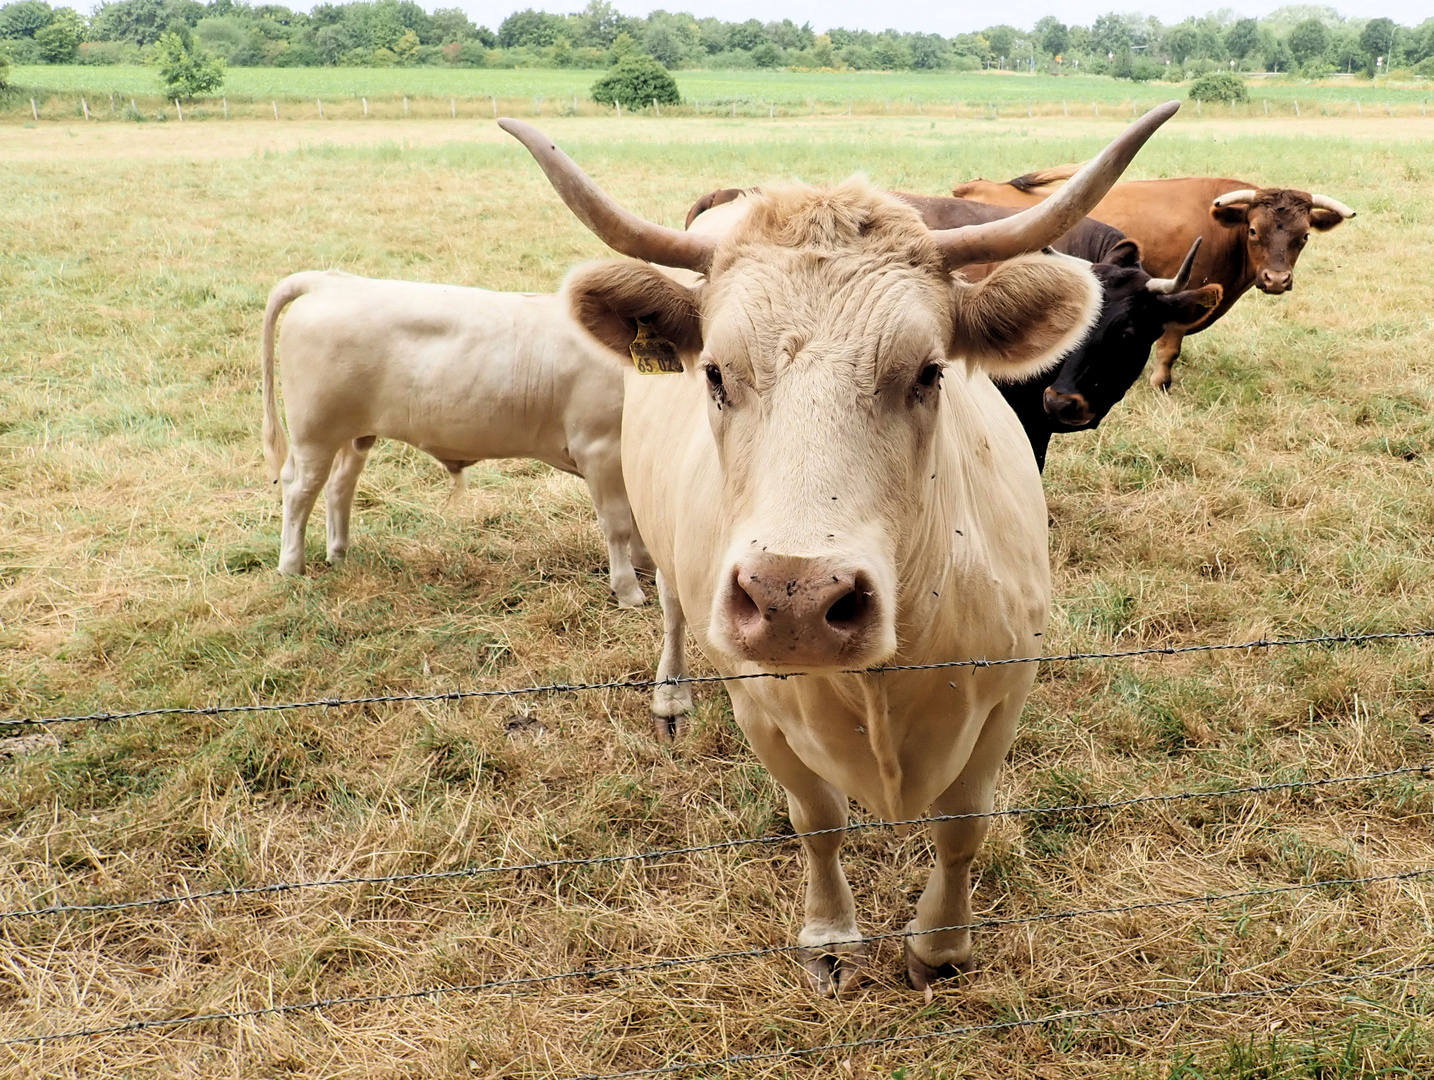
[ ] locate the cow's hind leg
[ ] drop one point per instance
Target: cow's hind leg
(671, 704)
(1167, 351)
(339, 494)
(946, 901)
(303, 478)
(831, 950)
(601, 468)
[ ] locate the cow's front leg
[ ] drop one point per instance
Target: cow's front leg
(303, 478)
(946, 900)
(339, 495)
(671, 704)
(831, 951)
(601, 468)
(1167, 351)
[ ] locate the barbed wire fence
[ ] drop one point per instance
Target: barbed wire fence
(511, 984)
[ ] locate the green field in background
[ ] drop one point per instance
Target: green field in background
(780, 87)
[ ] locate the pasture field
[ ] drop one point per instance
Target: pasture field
(790, 92)
(1284, 486)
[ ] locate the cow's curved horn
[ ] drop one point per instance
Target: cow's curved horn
(1324, 202)
(1033, 229)
(1230, 198)
(1167, 285)
(620, 229)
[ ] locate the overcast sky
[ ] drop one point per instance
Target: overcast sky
(945, 17)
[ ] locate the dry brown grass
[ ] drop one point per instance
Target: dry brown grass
(1284, 486)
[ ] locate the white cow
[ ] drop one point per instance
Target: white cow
(462, 374)
(820, 499)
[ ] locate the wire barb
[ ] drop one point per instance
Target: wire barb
(279, 887)
(650, 684)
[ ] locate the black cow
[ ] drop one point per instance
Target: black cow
(1135, 311)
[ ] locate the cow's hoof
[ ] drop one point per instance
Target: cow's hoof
(922, 976)
(669, 729)
(833, 969)
(337, 557)
(1161, 381)
(291, 569)
(631, 598)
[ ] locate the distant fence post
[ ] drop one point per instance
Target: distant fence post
(1297, 108)
(226, 108)
(656, 107)
(405, 105)
(112, 102)
(540, 104)
(1267, 106)
(179, 110)
(365, 105)
(494, 100)
(771, 110)
(1389, 108)
(619, 110)
(35, 112)
(453, 108)
(1065, 111)
(1096, 106)
(1028, 108)
(1357, 109)
(320, 102)
(84, 106)
(848, 107)
(133, 107)
(276, 108)
(1197, 106)
(575, 104)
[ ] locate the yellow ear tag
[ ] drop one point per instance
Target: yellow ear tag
(653, 355)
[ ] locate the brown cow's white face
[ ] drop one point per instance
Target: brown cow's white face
(820, 341)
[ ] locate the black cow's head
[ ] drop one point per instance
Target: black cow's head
(1276, 224)
(1135, 311)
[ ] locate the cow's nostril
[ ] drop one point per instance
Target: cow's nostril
(744, 605)
(848, 609)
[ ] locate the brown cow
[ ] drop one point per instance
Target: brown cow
(1253, 236)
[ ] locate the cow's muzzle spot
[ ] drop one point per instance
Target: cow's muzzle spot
(1275, 282)
(1071, 410)
(793, 610)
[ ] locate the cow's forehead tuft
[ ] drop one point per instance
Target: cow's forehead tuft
(1283, 201)
(849, 219)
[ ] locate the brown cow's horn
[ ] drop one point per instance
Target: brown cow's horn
(618, 228)
(1168, 285)
(1033, 229)
(1230, 198)
(1324, 202)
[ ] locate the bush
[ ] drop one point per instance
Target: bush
(1425, 67)
(1219, 86)
(187, 72)
(636, 81)
(4, 73)
(103, 53)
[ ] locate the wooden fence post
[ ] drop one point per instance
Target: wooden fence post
(1096, 105)
(276, 108)
(771, 110)
(1065, 111)
(112, 102)
(365, 106)
(226, 108)
(84, 106)
(1267, 106)
(179, 110)
(405, 105)
(1357, 109)
(1297, 108)
(321, 107)
(33, 110)
(453, 108)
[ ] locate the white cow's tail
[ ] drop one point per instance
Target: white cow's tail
(276, 446)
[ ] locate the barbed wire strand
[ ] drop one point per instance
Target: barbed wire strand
(436, 992)
(718, 845)
(1007, 1025)
(649, 684)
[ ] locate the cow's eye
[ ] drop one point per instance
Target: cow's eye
(930, 375)
(714, 382)
(1252, 232)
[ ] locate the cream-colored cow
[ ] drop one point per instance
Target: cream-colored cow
(463, 374)
(832, 482)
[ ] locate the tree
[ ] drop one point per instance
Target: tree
(747, 36)
(1053, 35)
(664, 44)
(1002, 39)
(1309, 41)
(530, 28)
(636, 81)
(1243, 38)
(1108, 34)
(766, 55)
(142, 22)
(928, 52)
(1377, 39)
(186, 71)
(1182, 42)
(59, 42)
(1219, 86)
(452, 24)
(25, 18)
(4, 72)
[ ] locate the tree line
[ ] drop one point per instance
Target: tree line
(1301, 39)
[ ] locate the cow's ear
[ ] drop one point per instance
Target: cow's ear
(1324, 220)
(1025, 316)
(1185, 308)
(1232, 216)
(609, 299)
(1126, 254)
